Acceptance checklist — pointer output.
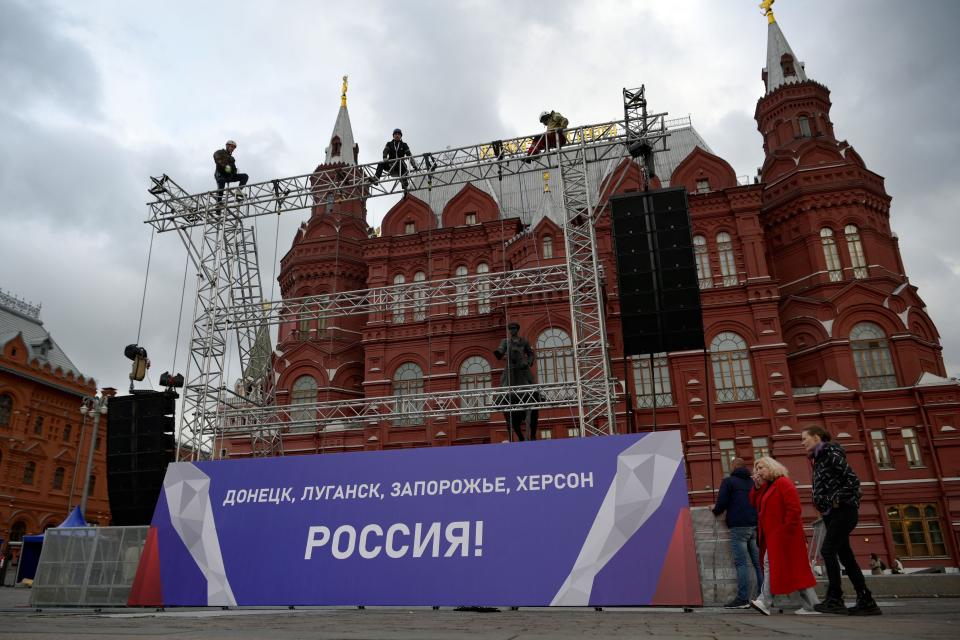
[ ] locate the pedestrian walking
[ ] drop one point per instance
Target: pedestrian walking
(783, 545)
(836, 495)
(734, 500)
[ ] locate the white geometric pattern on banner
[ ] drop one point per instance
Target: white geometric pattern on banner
(188, 499)
(644, 474)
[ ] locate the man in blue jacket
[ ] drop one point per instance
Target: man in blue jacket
(734, 498)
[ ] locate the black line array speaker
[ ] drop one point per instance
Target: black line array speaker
(659, 293)
(140, 444)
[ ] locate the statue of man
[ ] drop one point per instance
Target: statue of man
(519, 358)
(517, 373)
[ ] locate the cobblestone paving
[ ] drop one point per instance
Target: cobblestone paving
(929, 619)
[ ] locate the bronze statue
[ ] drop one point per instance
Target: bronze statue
(520, 358)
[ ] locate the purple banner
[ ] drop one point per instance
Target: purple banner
(573, 522)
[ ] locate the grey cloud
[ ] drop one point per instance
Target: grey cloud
(40, 65)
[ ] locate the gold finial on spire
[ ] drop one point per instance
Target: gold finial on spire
(343, 91)
(767, 6)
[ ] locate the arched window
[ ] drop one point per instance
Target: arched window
(29, 469)
(804, 123)
(58, 478)
(732, 375)
(871, 356)
(651, 380)
(555, 357)
(703, 262)
(303, 324)
(18, 530)
(322, 303)
(463, 307)
(855, 248)
(483, 303)
(916, 529)
(304, 391)
(728, 265)
(408, 381)
(6, 410)
(830, 254)
(547, 247)
(67, 432)
(399, 316)
(419, 297)
(475, 374)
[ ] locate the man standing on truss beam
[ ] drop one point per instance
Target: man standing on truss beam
(226, 169)
(394, 153)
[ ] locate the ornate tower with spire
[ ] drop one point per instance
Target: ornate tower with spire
(323, 359)
(849, 313)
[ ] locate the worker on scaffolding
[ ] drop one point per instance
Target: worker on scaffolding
(553, 137)
(394, 153)
(226, 169)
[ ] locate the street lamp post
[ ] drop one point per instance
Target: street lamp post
(96, 406)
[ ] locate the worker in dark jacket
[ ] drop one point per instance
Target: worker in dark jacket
(394, 153)
(836, 495)
(734, 499)
(226, 169)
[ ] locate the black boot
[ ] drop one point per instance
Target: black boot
(866, 606)
(832, 605)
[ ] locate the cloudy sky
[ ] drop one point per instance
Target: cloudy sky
(96, 96)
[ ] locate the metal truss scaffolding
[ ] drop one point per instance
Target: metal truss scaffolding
(229, 295)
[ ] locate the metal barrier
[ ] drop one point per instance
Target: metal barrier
(87, 566)
(816, 541)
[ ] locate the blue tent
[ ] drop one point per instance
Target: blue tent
(30, 551)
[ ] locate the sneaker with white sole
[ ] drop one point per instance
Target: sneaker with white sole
(760, 606)
(805, 612)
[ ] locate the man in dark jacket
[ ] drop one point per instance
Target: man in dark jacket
(836, 495)
(226, 169)
(394, 153)
(734, 498)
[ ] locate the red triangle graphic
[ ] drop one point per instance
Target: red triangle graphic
(147, 590)
(679, 576)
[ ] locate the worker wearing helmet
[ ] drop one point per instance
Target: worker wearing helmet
(226, 169)
(554, 136)
(394, 153)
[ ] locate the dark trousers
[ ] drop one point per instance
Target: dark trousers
(396, 168)
(836, 550)
(224, 178)
(515, 420)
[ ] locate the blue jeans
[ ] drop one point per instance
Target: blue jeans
(743, 541)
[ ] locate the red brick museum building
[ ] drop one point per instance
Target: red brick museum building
(809, 317)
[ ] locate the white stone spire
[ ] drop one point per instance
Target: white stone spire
(342, 148)
(782, 66)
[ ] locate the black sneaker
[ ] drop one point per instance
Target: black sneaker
(832, 605)
(737, 603)
(865, 607)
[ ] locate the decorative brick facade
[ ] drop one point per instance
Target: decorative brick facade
(809, 320)
(43, 437)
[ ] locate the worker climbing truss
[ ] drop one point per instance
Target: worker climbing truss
(229, 296)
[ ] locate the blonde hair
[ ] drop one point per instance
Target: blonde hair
(777, 470)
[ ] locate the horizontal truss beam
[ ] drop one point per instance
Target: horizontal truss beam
(503, 158)
(409, 298)
(402, 409)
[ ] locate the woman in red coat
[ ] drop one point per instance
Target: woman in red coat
(783, 545)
